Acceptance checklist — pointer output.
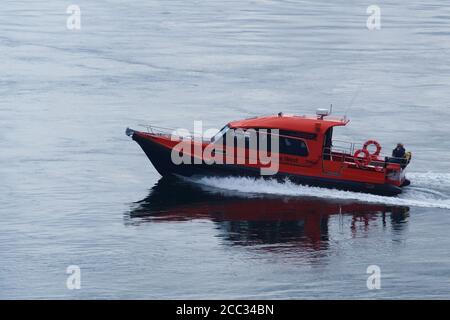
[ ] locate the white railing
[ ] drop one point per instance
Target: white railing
(164, 131)
(344, 151)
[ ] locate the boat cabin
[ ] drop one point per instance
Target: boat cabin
(302, 136)
(306, 146)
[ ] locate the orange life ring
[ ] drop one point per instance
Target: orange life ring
(364, 161)
(376, 144)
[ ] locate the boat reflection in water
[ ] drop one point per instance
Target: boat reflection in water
(251, 219)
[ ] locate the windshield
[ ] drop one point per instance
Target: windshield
(220, 134)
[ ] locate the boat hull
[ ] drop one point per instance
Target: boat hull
(160, 157)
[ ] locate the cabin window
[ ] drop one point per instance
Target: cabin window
(287, 145)
(242, 138)
(239, 138)
(294, 147)
(299, 134)
(252, 138)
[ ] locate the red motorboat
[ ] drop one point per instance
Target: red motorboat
(298, 148)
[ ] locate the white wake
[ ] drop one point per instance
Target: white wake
(429, 190)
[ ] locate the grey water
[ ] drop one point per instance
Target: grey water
(75, 191)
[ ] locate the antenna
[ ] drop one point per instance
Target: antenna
(353, 100)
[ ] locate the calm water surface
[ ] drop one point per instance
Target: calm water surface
(74, 190)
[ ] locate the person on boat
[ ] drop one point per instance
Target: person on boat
(399, 155)
(399, 151)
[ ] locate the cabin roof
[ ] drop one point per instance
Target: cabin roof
(290, 122)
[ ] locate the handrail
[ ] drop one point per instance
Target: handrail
(352, 147)
(158, 129)
(150, 128)
(165, 131)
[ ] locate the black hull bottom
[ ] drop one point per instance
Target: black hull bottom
(160, 157)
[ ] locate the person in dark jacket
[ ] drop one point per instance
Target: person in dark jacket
(399, 155)
(399, 151)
